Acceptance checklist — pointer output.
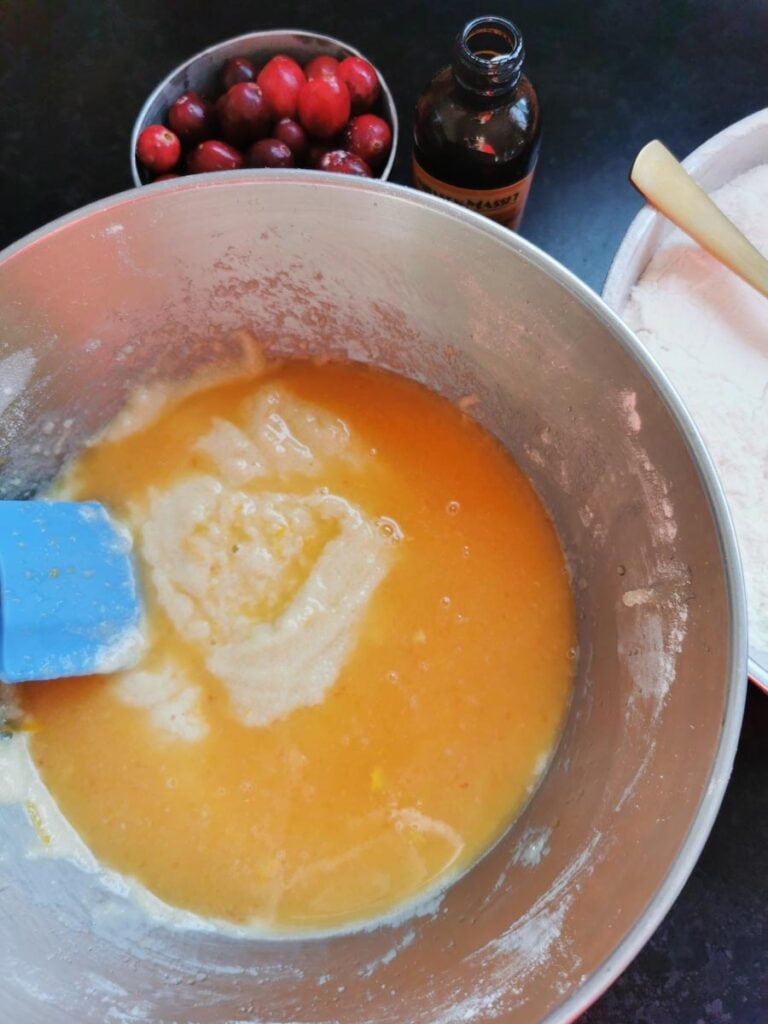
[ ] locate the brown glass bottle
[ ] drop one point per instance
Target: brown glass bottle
(477, 126)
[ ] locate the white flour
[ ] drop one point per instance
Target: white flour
(709, 331)
(15, 373)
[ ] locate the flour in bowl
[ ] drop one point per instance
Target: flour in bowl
(709, 331)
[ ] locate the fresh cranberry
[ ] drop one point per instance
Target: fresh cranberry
(270, 153)
(342, 162)
(158, 148)
(324, 106)
(192, 117)
(362, 81)
(322, 67)
(370, 138)
(213, 155)
(235, 71)
(166, 177)
(281, 80)
(293, 135)
(244, 114)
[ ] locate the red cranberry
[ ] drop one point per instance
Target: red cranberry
(342, 162)
(322, 67)
(166, 177)
(235, 71)
(370, 138)
(270, 153)
(192, 117)
(362, 81)
(158, 148)
(213, 155)
(244, 114)
(281, 80)
(293, 135)
(324, 106)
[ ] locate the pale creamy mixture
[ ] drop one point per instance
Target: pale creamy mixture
(233, 595)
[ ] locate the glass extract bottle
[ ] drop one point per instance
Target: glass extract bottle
(478, 125)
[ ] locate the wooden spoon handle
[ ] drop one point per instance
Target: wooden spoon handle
(667, 185)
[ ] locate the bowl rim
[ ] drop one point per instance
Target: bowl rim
(252, 38)
(703, 818)
(643, 223)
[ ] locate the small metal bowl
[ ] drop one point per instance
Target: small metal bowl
(201, 73)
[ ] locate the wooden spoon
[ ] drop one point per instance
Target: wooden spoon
(666, 184)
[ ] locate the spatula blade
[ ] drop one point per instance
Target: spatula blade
(69, 602)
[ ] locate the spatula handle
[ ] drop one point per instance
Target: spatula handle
(667, 185)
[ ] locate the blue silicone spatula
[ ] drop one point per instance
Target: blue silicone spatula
(69, 601)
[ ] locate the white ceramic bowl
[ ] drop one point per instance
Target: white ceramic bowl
(731, 152)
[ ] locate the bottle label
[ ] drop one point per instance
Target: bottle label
(504, 205)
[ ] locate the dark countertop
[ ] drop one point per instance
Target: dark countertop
(611, 75)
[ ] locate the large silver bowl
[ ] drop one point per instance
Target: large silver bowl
(154, 282)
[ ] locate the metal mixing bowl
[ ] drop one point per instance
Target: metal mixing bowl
(155, 282)
(202, 71)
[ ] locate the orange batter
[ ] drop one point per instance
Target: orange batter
(315, 797)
